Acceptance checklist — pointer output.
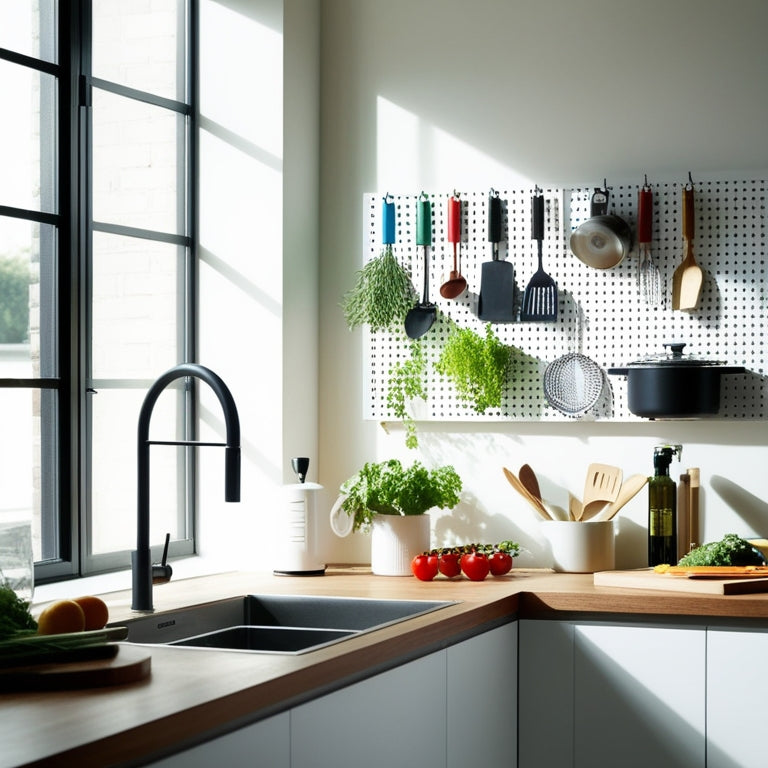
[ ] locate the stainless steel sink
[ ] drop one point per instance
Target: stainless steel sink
(287, 624)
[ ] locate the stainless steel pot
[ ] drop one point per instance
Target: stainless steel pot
(604, 240)
(674, 385)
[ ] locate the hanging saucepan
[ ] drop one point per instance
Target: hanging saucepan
(604, 239)
(674, 385)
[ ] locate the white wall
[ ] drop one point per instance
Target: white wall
(558, 92)
(259, 94)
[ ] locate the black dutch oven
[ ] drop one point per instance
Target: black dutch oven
(674, 385)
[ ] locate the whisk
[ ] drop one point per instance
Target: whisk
(648, 277)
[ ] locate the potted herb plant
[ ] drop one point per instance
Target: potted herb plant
(392, 501)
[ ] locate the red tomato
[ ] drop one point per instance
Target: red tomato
(424, 567)
(500, 563)
(475, 566)
(449, 564)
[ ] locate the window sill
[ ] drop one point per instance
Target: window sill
(103, 583)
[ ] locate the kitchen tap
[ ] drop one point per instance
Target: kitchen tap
(141, 558)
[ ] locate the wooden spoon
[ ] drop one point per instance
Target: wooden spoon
(532, 500)
(602, 485)
(688, 277)
(530, 481)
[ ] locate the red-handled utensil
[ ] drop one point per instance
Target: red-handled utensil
(455, 284)
(648, 277)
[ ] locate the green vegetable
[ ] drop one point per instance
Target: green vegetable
(407, 382)
(477, 367)
(387, 488)
(15, 618)
(731, 550)
(382, 295)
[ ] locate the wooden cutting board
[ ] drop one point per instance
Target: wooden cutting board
(645, 578)
(117, 665)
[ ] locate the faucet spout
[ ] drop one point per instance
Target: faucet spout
(141, 558)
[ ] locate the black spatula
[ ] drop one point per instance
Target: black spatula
(496, 303)
(540, 297)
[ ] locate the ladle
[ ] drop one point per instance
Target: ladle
(421, 317)
(455, 285)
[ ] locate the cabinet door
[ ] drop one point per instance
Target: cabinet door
(737, 707)
(265, 744)
(396, 718)
(545, 700)
(639, 696)
(482, 699)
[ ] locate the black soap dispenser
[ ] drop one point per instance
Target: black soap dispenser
(662, 508)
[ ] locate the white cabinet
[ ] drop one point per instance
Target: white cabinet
(545, 699)
(396, 718)
(265, 744)
(595, 695)
(639, 696)
(737, 706)
(482, 699)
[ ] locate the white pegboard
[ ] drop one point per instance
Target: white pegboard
(600, 312)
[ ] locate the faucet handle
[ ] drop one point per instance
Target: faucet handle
(162, 572)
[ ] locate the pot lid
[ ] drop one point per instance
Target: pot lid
(674, 357)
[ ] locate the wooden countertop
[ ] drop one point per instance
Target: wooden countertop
(184, 701)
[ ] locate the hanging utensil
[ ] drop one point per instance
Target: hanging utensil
(422, 316)
(688, 277)
(455, 284)
(601, 486)
(540, 297)
(629, 489)
(573, 383)
(604, 240)
(648, 277)
(496, 302)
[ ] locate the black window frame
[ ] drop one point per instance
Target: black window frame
(66, 519)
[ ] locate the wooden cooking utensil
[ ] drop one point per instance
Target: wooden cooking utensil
(629, 489)
(601, 486)
(688, 277)
(529, 480)
(521, 489)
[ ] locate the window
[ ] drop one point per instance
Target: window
(96, 271)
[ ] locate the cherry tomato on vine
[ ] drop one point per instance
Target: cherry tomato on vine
(424, 566)
(500, 563)
(449, 564)
(475, 566)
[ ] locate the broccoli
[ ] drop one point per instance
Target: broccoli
(732, 550)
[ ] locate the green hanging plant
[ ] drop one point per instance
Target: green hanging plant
(477, 367)
(382, 295)
(407, 382)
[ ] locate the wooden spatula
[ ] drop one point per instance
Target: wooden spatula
(601, 487)
(688, 277)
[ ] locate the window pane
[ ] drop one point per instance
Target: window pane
(27, 462)
(135, 163)
(28, 27)
(28, 304)
(137, 310)
(113, 490)
(136, 44)
(27, 138)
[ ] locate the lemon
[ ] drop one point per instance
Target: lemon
(61, 616)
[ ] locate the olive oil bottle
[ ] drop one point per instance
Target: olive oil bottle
(662, 508)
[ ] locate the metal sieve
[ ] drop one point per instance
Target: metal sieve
(573, 384)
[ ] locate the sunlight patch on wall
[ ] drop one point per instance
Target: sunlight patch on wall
(414, 153)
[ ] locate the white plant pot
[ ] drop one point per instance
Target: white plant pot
(395, 541)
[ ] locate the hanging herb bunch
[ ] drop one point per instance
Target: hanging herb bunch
(407, 382)
(383, 292)
(477, 366)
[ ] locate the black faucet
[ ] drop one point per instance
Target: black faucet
(141, 559)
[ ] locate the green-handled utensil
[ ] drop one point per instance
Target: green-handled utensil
(422, 316)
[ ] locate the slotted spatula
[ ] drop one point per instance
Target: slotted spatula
(602, 486)
(540, 297)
